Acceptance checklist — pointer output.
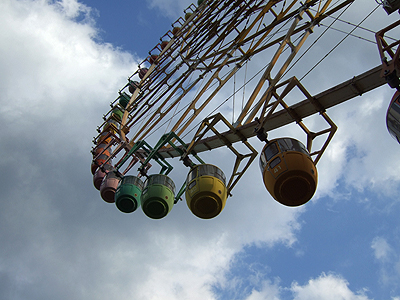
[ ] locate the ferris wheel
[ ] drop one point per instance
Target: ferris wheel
(193, 93)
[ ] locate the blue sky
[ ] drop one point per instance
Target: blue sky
(134, 26)
(62, 63)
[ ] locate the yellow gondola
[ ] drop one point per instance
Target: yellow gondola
(206, 191)
(288, 171)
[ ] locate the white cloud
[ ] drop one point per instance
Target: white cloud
(382, 249)
(171, 8)
(73, 9)
(388, 259)
(269, 291)
(326, 287)
(52, 70)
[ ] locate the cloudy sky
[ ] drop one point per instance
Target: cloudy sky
(63, 62)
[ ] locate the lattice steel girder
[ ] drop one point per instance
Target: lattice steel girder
(209, 124)
(161, 92)
(227, 53)
(140, 149)
(390, 71)
(345, 91)
(286, 41)
(289, 85)
(202, 58)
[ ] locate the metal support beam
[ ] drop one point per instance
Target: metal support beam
(345, 91)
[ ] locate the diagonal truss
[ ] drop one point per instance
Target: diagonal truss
(209, 124)
(271, 79)
(289, 85)
(209, 48)
(390, 69)
(354, 87)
